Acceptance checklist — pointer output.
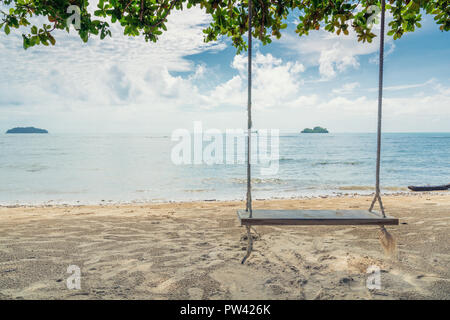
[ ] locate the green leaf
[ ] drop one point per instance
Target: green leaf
(51, 39)
(228, 18)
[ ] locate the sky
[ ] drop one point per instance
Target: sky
(126, 85)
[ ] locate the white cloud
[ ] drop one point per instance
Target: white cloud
(406, 86)
(127, 85)
(274, 82)
(346, 88)
(124, 72)
(332, 54)
(84, 62)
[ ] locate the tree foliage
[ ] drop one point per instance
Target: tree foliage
(229, 17)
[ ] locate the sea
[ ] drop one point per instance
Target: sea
(43, 169)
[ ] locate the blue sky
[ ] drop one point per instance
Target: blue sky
(127, 85)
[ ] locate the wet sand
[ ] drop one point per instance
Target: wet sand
(193, 251)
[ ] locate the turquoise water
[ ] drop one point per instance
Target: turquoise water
(38, 169)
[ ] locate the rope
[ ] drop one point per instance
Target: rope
(249, 245)
(380, 107)
(249, 111)
(258, 235)
(249, 133)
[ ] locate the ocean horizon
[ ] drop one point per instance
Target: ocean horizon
(38, 169)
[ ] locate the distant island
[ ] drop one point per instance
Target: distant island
(26, 130)
(315, 130)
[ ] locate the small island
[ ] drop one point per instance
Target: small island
(315, 130)
(26, 130)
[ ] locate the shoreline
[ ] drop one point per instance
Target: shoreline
(55, 203)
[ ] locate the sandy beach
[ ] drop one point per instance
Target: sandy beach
(193, 251)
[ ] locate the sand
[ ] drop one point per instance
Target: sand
(193, 251)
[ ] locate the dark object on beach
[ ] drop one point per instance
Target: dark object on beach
(27, 130)
(429, 188)
(315, 130)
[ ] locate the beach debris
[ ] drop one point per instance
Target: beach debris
(9, 270)
(325, 257)
(346, 280)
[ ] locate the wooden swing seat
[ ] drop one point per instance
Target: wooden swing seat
(314, 217)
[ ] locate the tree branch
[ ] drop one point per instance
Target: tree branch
(165, 16)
